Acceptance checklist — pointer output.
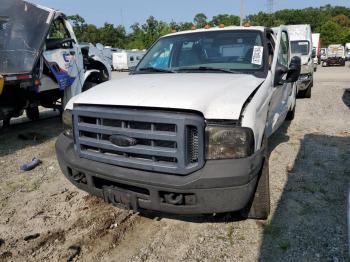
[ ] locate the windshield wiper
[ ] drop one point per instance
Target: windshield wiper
(155, 69)
(206, 68)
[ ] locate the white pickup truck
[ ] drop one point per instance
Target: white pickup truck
(187, 132)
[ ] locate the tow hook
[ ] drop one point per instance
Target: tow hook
(174, 199)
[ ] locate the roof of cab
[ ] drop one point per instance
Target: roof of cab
(214, 29)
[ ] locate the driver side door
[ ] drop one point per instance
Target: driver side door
(281, 90)
(64, 61)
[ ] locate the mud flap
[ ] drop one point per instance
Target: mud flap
(119, 198)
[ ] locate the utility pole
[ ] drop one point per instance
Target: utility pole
(242, 12)
(270, 4)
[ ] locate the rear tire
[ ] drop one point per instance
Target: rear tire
(259, 205)
(32, 113)
(291, 114)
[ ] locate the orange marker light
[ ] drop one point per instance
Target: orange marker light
(246, 24)
(173, 30)
(222, 26)
(207, 27)
(193, 28)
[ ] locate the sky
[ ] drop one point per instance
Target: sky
(128, 12)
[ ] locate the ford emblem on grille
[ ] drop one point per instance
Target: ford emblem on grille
(123, 141)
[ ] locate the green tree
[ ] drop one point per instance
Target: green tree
(200, 20)
(332, 33)
(225, 19)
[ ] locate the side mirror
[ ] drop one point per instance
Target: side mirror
(294, 70)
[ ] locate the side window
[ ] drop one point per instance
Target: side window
(283, 54)
(131, 58)
(58, 30)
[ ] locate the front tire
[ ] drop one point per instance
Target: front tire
(259, 205)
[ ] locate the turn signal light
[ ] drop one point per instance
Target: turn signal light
(207, 27)
(222, 26)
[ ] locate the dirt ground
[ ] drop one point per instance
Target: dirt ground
(44, 218)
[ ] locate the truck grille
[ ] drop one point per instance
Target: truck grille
(165, 141)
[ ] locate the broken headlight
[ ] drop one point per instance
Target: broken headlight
(225, 142)
(67, 119)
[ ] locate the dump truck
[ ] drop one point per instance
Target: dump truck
(41, 63)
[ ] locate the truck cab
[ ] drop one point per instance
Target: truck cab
(41, 63)
(302, 45)
(187, 132)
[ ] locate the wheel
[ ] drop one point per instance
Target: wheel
(32, 113)
(291, 114)
(306, 93)
(259, 205)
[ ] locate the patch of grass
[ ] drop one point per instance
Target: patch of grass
(284, 245)
(272, 230)
(230, 233)
(34, 186)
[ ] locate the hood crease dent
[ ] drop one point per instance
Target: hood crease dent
(215, 95)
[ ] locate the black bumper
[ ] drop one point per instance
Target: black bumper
(220, 186)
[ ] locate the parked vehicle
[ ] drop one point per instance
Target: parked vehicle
(98, 57)
(40, 60)
(316, 42)
(301, 45)
(323, 55)
(335, 56)
(127, 60)
(347, 51)
(187, 132)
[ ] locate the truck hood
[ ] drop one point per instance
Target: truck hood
(215, 95)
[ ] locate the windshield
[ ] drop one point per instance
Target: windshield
(300, 47)
(23, 28)
(215, 50)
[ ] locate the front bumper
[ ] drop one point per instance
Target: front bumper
(220, 186)
(305, 80)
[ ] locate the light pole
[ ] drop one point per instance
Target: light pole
(242, 12)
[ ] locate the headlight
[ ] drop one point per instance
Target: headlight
(228, 142)
(304, 77)
(67, 119)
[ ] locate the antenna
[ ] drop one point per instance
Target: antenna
(270, 5)
(242, 12)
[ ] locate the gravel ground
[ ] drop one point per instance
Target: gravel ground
(45, 218)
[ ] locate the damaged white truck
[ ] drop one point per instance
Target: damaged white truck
(41, 63)
(187, 132)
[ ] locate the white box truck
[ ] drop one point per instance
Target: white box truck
(127, 60)
(335, 56)
(347, 51)
(301, 45)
